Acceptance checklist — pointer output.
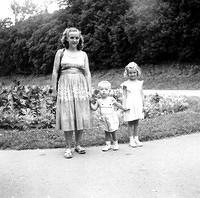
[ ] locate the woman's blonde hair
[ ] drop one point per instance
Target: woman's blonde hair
(65, 35)
(133, 66)
(104, 83)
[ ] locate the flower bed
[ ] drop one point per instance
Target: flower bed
(24, 107)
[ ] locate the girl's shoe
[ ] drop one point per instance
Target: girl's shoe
(107, 147)
(138, 143)
(132, 144)
(80, 150)
(115, 146)
(68, 154)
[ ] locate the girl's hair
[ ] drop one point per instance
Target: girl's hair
(104, 83)
(134, 66)
(65, 35)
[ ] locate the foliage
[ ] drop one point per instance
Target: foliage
(115, 32)
(23, 107)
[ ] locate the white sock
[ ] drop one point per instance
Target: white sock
(108, 143)
(136, 138)
(131, 138)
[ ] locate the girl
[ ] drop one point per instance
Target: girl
(71, 81)
(133, 99)
(109, 118)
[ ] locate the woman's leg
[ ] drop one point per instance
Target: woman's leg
(78, 136)
(68, 138)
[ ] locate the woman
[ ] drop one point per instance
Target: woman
(72, 85)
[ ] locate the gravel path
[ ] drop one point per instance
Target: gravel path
(174, 92)
(168, 168)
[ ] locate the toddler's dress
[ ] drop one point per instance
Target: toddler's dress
(72, 107)
(108, 116)
(132, 99)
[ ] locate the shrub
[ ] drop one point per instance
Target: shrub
(23, 107)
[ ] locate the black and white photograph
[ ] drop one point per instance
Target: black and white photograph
(99, 98)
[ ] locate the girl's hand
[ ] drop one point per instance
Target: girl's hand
(125, 109)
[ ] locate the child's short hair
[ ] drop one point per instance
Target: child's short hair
(104, 83)
(134, 66)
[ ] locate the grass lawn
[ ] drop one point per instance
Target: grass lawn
(165, 76)
(156, 77)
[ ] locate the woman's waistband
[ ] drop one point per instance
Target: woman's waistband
(71, 70)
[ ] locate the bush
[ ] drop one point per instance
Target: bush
(25, 107)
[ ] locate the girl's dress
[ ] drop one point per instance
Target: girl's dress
(72, 112)
(132, 99)
(108, 116)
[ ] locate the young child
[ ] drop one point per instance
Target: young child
(109, 118)
(133, 99)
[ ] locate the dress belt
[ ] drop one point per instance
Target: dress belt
(71, 70)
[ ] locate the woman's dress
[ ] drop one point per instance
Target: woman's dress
(72, 112)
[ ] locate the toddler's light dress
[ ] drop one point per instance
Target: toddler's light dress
(72, 107)
(108, 116)
(132, 99)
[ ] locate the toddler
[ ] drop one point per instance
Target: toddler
(109, 118)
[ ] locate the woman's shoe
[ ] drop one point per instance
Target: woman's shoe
(80, 150)
(68, 154)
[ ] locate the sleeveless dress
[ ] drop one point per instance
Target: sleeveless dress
(72, 112)
(132, 99)
(108, 116)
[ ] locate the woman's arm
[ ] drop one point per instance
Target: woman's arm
(55, 73)
(88, 74)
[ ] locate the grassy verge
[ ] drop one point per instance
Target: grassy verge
(161, 127)
(165, 76)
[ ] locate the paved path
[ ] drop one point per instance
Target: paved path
(168, 168)
(174, 92)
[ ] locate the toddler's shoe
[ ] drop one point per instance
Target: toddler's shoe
(107, 147)
(115, 146)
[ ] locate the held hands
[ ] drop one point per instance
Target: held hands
(126, 109)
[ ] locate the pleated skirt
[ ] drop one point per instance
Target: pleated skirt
(72, 107)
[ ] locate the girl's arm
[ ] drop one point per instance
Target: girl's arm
(88, 74)
(55, 73)
(142, 94)
(117, 104)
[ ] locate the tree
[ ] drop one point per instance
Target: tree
(22, 12)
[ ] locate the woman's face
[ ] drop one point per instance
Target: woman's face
(73, 39)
